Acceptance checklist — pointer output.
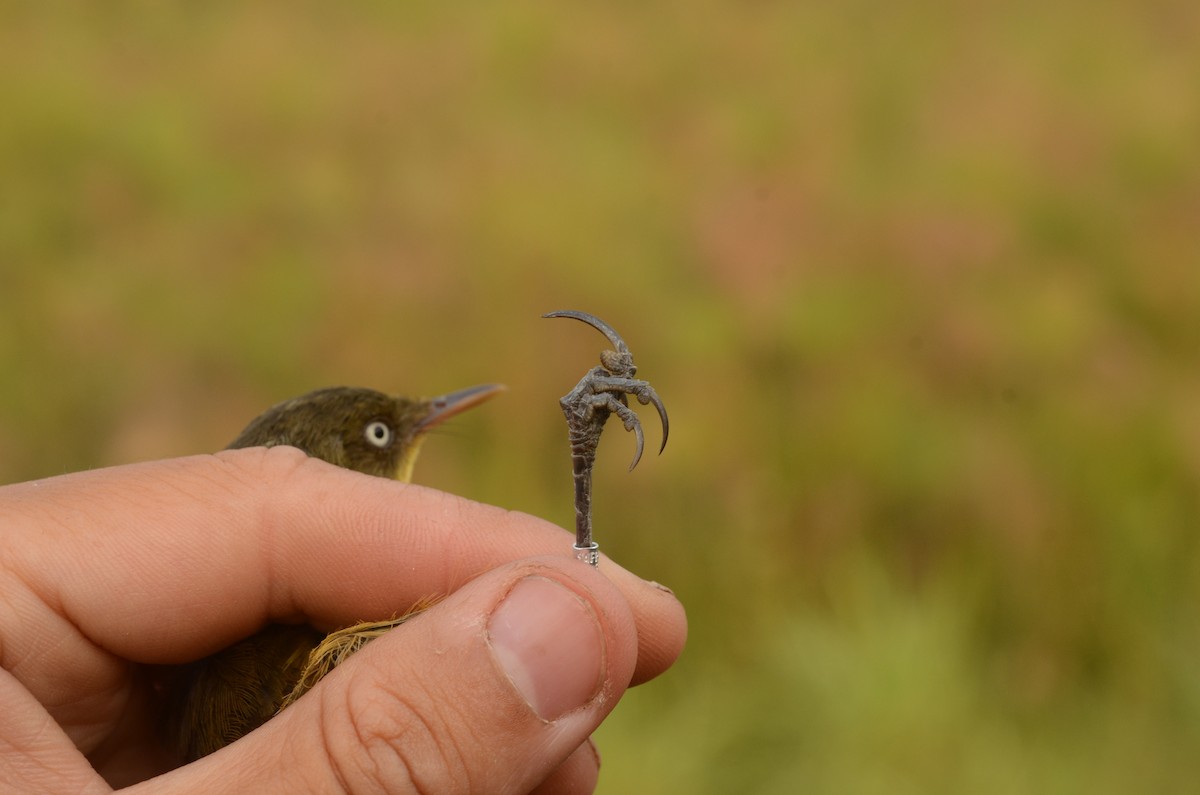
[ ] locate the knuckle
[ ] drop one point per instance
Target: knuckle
(382, 740)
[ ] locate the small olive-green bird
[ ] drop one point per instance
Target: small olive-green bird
(229, 694)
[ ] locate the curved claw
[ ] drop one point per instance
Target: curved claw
(641, 443)
(652, 397)
(629, 419)
(595, 323)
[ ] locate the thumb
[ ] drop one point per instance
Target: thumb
(491, 690)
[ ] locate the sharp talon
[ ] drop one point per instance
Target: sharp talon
(662, 415)
(595, 323)
(641, 443)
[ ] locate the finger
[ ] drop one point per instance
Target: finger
(35, 755)
(579, 773)
(170, 560)
(493, 690)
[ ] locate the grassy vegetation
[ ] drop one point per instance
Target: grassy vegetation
(919, 285)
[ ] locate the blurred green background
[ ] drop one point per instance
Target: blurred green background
(919, 284)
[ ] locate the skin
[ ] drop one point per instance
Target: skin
(101, 586)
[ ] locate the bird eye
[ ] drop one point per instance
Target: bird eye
(378, 433)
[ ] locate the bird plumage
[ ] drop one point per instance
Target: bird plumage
(230, 693)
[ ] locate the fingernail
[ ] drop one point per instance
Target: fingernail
(591, 744)
(661, 587)
(548, 641)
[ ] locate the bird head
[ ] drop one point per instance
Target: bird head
(360, 429)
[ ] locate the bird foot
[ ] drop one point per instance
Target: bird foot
(602, 392)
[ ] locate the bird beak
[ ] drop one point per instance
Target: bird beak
(444, 407)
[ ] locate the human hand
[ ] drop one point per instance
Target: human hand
(107, 575)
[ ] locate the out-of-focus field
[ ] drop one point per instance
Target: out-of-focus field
(919, 284)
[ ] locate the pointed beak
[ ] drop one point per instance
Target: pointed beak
(444, 407)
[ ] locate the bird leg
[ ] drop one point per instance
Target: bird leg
(600, 393)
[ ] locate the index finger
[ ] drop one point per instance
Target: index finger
(170, 560)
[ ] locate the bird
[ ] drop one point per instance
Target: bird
(222, 697)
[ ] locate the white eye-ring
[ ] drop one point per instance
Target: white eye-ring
(378, 433)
